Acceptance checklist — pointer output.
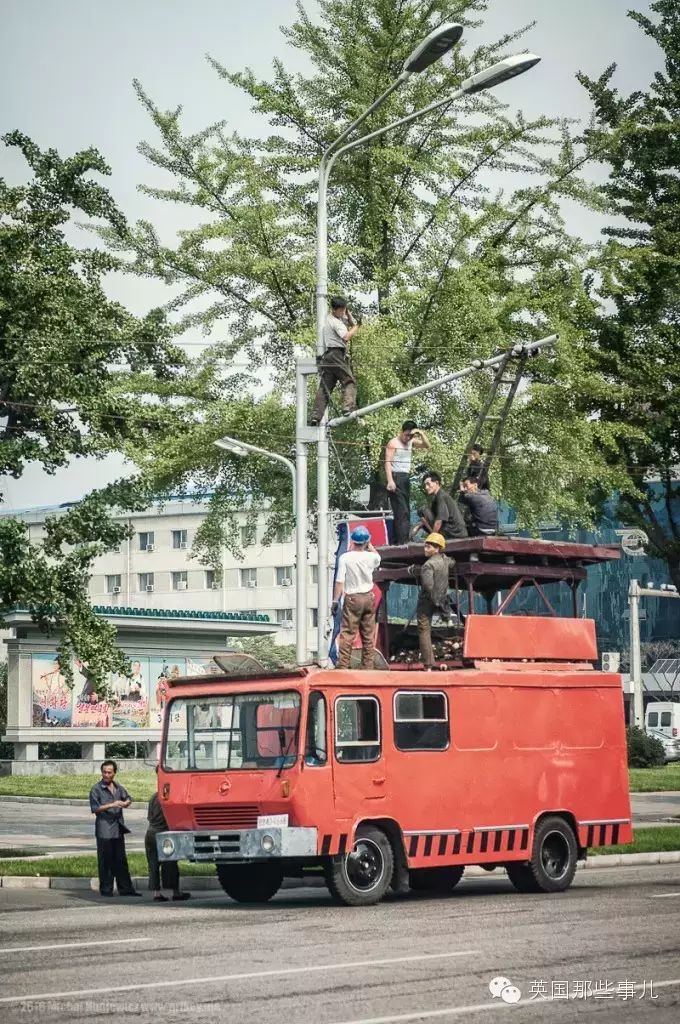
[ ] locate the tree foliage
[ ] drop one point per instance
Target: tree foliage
(445, 265)
(78, 373)
(638, 332)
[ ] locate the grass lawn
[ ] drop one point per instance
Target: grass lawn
(140, 785)
(645, 840)
(649, 780)
(85, 866)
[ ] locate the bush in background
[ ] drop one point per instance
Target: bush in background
(643, 751)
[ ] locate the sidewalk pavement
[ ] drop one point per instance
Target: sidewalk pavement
(203, 883)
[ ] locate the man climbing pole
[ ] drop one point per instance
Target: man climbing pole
(334, 366)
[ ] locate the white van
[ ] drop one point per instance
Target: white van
(663, 717)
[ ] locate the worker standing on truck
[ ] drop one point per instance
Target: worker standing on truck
(476, 470)
(434, 593)
(354, 583)
(334, 366)
(398, 476)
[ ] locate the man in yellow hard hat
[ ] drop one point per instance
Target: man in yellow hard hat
(434, 593)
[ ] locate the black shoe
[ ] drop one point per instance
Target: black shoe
(313, 422)
(160, 899)
(132, 893)
(181, 895)
(107, 894)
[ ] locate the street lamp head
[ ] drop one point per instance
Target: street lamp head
(434, 46)
(230, 444)
(500, 72)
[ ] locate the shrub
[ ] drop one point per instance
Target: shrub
(643, 751)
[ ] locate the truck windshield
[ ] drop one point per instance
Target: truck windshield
(239, 731)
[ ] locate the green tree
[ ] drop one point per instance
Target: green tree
(445, 268)
(76, 372)
(638, 333)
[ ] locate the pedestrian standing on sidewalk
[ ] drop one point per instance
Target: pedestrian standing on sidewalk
(354, 583)
(398, 476)
(334, 366)
(165, 875)
(108, 800)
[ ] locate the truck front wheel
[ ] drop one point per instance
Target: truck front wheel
(250, 883)
(362, 877)
(553, 859)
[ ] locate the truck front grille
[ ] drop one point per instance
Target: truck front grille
(212, 847)
(226, 816)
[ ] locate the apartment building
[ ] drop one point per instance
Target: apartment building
(156, 569)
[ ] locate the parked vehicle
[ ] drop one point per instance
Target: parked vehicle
(671, 746)
(664, 717)
(512, 755)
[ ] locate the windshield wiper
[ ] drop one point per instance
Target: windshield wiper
(282, 740)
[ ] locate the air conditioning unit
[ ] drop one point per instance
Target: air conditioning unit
(287, 582)
(216, 586)
(611, 661)
(251, 583)
(149, 588)
(287, 624)
(182, 585)
(149, 547)
(116, 590)
(183, 545)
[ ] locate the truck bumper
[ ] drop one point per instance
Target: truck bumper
(249, 844)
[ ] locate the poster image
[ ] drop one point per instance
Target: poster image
(131, 696)
(160, 670)
(88, 710)
(52, 695)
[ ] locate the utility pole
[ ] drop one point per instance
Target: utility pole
(635, 592)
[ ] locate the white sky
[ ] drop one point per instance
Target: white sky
(66, 75)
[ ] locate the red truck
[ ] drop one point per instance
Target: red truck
(512, 753)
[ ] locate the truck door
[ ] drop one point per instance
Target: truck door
(359, 773)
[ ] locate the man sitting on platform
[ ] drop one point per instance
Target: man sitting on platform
(444, 515)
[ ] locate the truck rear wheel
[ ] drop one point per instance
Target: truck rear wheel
(441, 880)
(553, 859)
(250, 883)
(362, 877)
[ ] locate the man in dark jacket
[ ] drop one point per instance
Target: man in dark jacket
(434, 594)
(108, 800)
(165, 875)
(444, 515)
(481, 510)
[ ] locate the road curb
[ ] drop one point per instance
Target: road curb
(206, 883)
(65, 801)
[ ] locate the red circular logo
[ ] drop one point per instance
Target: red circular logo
(225, 786)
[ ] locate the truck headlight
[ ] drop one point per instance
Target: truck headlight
(168, 846)
(267, 843)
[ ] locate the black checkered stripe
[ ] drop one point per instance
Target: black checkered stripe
(603, 832)
(331, 845)
(483, 841)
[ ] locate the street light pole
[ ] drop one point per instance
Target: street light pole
(486, 79)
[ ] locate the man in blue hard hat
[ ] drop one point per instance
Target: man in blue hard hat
(354, 583)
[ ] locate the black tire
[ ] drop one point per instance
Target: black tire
(441, 880)
(250, 883)
(363, 876)
(553, 859)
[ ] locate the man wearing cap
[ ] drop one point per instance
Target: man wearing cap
(398, 476)
(334, 368)
(354, 582)
(434, 593)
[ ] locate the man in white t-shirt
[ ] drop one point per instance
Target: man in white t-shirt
(354, 583)
(398, 476)
(334, 367)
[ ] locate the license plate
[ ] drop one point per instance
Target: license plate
(272, 821)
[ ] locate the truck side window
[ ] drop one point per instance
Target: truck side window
(653, 718)
(421, 720)
(665, 718)
(357, 729)
(316, 749)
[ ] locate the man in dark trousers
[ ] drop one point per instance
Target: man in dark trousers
(444, 515)
(108, 799)
(398, 476)
(165, 875)
(481, 510)
(434, 593)
(476, 470)
(334, 367)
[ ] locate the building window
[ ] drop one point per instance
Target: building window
(248, 536)
(315, 573)
(146, 541)
(145, 582)
(357, 729)
(179, 539)
(248, 577)
(421, 721)
(179, 581)
(284, 616)
(113, 584)
(212, 580)
(283, 535)
(315, 617)
(284, 576)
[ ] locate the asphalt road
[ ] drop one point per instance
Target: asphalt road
(59, 828)
(69, 957)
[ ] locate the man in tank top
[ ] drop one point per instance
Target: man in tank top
(398, 475)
